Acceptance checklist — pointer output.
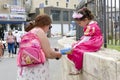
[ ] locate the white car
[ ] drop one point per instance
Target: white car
(71, 33)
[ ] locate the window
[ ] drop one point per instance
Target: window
(66, 5)
(65, 16)
(67, 0)
(15, 2)
(57, 3)
(118, 18)
(55, 15)
(46, 2)
(74, 5)
(71, 13)
(19, 2)
(41, 5)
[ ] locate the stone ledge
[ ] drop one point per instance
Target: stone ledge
(101, 65)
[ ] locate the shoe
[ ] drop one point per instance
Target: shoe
(9, 55)
(0, 60)
(76, 72)
(12, 56)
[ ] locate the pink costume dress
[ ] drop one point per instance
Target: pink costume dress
(91, 41)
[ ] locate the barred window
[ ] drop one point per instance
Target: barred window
(55, 15)
(65, 16)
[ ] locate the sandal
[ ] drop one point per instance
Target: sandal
(75, 72)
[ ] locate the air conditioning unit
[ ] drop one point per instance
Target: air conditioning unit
(5, 6)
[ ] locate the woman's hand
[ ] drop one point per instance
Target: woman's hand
(59, 55)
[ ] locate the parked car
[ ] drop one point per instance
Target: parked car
(71, 33)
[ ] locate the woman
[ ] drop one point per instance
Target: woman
(40, 26)
(10, 42)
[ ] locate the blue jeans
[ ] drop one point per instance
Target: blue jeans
(11, 47)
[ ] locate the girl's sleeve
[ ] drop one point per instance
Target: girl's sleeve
(90, 30)
(85, 38)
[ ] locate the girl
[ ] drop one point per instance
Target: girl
(91, 41)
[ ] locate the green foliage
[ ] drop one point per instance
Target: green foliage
(114, 47)
(110, 37)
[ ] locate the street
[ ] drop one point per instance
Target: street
(8, 68)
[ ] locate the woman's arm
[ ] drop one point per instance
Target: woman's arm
(49, 52)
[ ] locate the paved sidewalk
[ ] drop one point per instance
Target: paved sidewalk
(8, 68)
(6, 54)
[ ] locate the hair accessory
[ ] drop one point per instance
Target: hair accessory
(84, 8)
(32, 22)
(77, 15)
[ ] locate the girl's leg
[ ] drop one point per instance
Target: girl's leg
(9, 49)
(0, 54)
(12, 48)
(77, 58)
(15, 49)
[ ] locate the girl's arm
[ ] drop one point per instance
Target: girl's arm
(84, 39)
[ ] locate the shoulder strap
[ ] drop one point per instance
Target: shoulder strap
(30, 35)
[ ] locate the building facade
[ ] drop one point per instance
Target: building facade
(15, 13)
(12, 15)
(60, 12)
(70, 4)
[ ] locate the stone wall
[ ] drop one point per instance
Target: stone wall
(101, 65)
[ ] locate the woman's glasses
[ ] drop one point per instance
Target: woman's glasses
(50, 27)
